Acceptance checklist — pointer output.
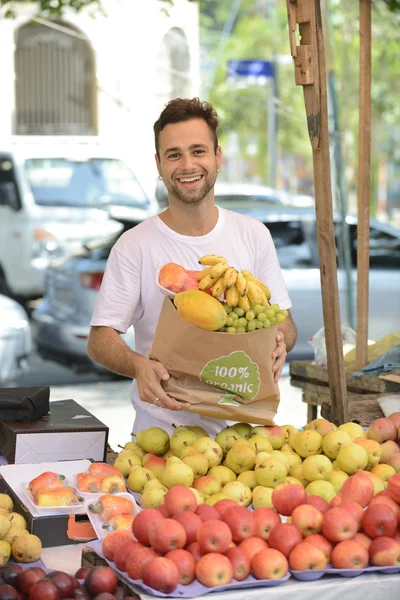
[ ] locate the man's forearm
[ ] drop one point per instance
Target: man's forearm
(289, 331)
(107, 348)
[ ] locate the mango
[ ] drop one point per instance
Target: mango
(200, 309)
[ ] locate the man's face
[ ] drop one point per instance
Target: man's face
(188, 162)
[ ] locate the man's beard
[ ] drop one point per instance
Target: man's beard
(192, 196)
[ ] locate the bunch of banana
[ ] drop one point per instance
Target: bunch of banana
(240, 288)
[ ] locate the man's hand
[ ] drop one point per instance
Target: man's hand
(279, 355)
(149, 374)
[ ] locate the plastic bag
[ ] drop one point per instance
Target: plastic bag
(374, 350)
(318, 343)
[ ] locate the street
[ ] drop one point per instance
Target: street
(109, 400)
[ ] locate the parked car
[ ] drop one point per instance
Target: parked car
(56, 194)
(63, 318)
(15, 341)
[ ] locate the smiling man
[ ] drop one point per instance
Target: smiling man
(188, 160)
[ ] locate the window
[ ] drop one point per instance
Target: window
(173, 63)
(292, 244)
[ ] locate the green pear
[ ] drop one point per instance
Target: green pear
(307, 443)
(226, 438)
(198, 463)
(5, 525)
(188, 451)
(153, 440)
(262, 497)
(223, 474)
(180, 440)
(134, 447)
(241, 458)
(138, 478)
(271, 472)
(249, 478)
(126, 460)
(259, 443)
(155, 463)
(199, 431)
(153, 494)
(243, 429)
(262, 456)
(214, 498)
(239, 492)
(177, 474)
(211, 449)
(282, 457)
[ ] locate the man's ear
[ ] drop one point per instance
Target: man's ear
(218, 154)
(158, 164)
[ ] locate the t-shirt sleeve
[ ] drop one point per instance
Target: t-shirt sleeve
(118, 303)
(269, 270)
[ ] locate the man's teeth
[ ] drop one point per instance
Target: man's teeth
(190, 179)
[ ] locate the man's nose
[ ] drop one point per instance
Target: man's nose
(187, 161)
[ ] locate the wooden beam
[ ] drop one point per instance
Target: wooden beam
(364, 167)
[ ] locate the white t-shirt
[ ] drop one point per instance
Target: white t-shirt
(129, 294)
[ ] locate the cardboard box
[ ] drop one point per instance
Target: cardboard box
(68, 432)
(56, 526)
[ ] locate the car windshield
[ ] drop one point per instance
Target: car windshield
(91, 183)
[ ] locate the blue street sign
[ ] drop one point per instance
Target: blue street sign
(251, 68)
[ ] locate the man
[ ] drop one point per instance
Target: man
(188, 159)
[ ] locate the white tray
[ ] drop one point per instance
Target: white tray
(97, 522)
(64, 509)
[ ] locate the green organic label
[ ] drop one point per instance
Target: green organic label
(236, 374)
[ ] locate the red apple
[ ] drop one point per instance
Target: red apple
(207, 512)
(253, 545)
(322, 543)
(358, 488)
(385, 552)
(355, 509)
(349, 554)
(379, 520)
(240, 521)
(305, 557)
(163, 510)
(307, 519)
(121, 554)
(136, 560)
(190, 522)
(25, 579)
(194, 549)
(394, 487)
(214, 569)
(142, 522)
(101, 579)
(395, 417)
(320, 503)
(382, 430)
(336, 500)
(362, 539)
(186, 564)
(386, 499)
(64, 583)
(113, 541)
(264, 520)
(167, 534)
(338, 524)
(240, 562)
(214, 536)
(287, 496)
(284, 537)
(43, 589)
(394, 461)
(222, 505)
(178, 499)
(388, 448)
(161, 574)
(269, 564)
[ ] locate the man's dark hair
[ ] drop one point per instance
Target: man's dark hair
(180, 109)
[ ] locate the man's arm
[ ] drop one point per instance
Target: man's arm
(289, 331)
(107, 348)
(286, 339)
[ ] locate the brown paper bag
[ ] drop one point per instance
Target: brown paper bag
(217, 375)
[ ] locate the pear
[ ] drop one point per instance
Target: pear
(5, 525)
(243, 429)
(333, 441)
(4, 512)
(211, 449)
(289, 430)
(282, 457)
(199, 431)
(13, 533)
(26, 548)
(354, 430)
(17, 520)
(214, 498)
(294, 460)
(198, 463)
(138, 478)
(153, 494)
(188, 451)
(134, 447)
(307, 443)
(153, 440)
(177, 474)
(155, 463)
(226, 438)
(321, 425)
(126, 460)
(297, 473)
(223, 474)
(239, 492)
(262, 456)
(168, 454)
(241, 458)
(199, 496)
(180, 440)
(262, 497)
(271, 472)
(260, 443)
(6, 502)
(249, 478)
(5, 552)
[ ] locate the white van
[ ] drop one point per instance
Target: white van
(56, 195)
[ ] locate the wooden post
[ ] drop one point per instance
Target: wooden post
(364, 164)
(309, 64)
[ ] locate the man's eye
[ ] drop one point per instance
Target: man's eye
(199, 151)
(173, 155)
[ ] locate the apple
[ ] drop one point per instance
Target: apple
(240, 562)
(222, 505)
(349, 554)
(186, 564)
(333, 441)
(377, 482)
(136, 560)
(194, 549)
(262, 497)
(338, 524)
(354, 430)
(373, 449)
(214, 536)
(384, 472)
(305, 557)
(324, 489)
(161, 574)
(363, 539)
(154, 463)
(388, 448)
(207, 512)
(142, 522)
(352, 457)
(383, 499)
(284, 537)
(336, 501)
(286, 497)
(253, 545)
(214, 569)
(166, 534)
(379, 520)
(355, 509)
(317, 467)
(307, 519)
(113, 541)
(178, 499)
(395, 417)
(122, 552)
(384, 551)
(40, 590)
(382, 430)
(322, 543)
(264, 520)
(269, 564)
(190, 522)
(319, 503)
(394, 461)
(394, 487)
(358, 488)
(240, 521)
